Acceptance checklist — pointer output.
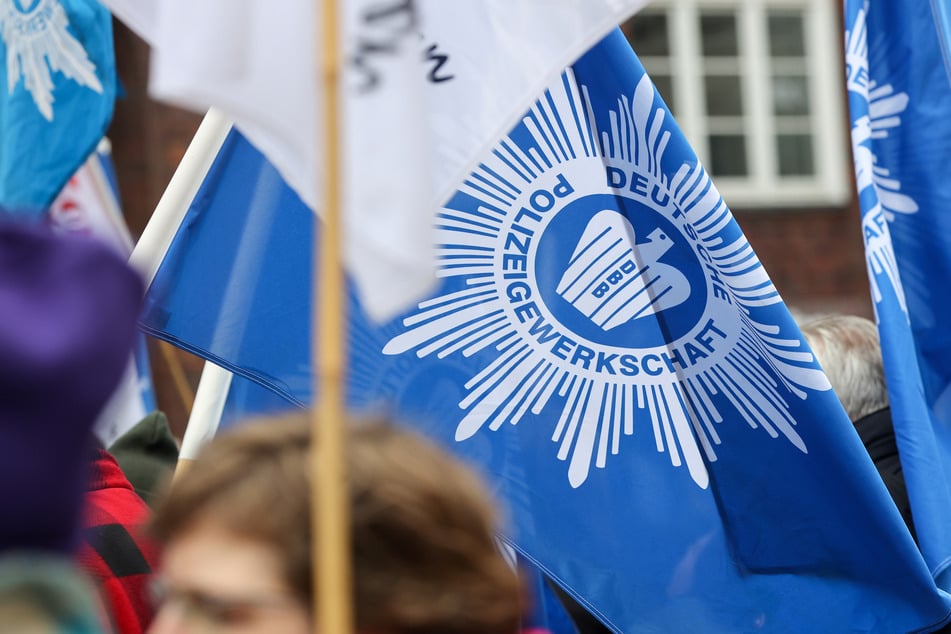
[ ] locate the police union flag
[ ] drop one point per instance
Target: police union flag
(57, 88)
(899, 89)
(606, 347)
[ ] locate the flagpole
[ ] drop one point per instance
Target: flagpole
(165, 221)
(205, 414)
(154, 242)
(330, 504)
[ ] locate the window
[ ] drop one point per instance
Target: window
(756, 85)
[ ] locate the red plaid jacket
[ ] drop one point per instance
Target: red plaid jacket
(113, 552)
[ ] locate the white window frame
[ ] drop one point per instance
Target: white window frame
(763, 187)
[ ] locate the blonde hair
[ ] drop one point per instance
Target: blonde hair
(424, 553)
(848, 350)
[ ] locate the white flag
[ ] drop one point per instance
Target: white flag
(88, 205)
(429, 86)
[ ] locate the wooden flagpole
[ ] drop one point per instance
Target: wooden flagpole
(331, 504)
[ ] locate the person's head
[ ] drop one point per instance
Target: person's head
(848, 350)
(68, 307)
(238, 549)
(44, 594)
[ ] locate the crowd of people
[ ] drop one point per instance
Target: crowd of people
(100, 543)
(228, 547)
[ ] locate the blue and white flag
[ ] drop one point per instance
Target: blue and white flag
(248, 399)
(57, 88)
(89, 206)
(546, 613)
(899, 93)
(419, 88)
(606, 347)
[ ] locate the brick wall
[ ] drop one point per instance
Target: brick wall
(814, 257)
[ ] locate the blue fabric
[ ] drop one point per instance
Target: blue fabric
(248, 399)
(57, 88)
(606, 347)
(109, 169)
(899, 91)
(546, 611)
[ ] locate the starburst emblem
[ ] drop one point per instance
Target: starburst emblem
(604, 286)
(884, 107)
(39, 44)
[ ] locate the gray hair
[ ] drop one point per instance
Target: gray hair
(848, 350)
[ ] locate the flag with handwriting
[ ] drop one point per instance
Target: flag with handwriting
(57, 88)
(899, 88)
(606, 348)
(421, 98)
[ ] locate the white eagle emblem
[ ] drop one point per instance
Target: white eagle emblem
(38, 44)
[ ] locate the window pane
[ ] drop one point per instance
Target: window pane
(718, 31)
(795, 155)
(647, 33)
(723, 95)
(665, 87)
(786, 35)
(728, 155)
(790, 95)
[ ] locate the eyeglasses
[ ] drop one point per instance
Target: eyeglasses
(211, 613)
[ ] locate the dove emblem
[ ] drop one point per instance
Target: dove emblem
(614, 280)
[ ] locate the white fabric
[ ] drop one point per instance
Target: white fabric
(409, 142)
(87, 206)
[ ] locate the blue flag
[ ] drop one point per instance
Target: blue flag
(899, 91)
(57, 89)
(606, 347)
(247, 399)
(545, 611)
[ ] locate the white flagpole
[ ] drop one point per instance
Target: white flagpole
(106, 194)
(205, 415)
(151, 248)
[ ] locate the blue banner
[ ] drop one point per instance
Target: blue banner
(57, 88)
(248, 399)
(899, 91)
(606, 347)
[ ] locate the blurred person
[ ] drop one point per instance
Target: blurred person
(46, 595)
(67, 319)
(147, 454)
(237, 536)
(848, 349)
(68, 306)
(114, 552)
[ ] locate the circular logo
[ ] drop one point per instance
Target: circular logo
(612, 285)
(595, 277)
